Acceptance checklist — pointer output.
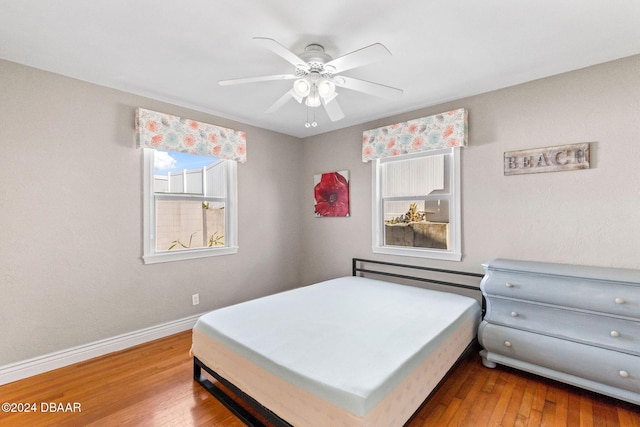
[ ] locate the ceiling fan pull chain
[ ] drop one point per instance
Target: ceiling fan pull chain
(313, 123)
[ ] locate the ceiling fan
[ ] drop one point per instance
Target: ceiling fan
(317, 75)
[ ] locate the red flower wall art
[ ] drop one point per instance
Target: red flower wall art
(331, 192)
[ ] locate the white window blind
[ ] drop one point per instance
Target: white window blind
(413, 177)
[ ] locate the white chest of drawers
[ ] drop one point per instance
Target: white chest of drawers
(575, 324)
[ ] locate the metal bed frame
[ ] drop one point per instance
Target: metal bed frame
(357, 270)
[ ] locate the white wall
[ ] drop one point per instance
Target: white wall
(587, 217)
(71, 219)
(71, 229)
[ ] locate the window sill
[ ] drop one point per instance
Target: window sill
(418, 253)
(182, 255)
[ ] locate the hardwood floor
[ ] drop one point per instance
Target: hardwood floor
(152, 385)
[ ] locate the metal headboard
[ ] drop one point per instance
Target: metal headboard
(358, 269)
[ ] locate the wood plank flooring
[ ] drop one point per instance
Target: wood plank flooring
(152, 385)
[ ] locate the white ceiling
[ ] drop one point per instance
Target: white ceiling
(442, 50)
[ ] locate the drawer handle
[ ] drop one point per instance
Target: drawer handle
(514, 314)
(508, 344)
(615, 334)
(624, 374)
(509, 285)
(619, 300)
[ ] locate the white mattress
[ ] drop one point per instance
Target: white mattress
(367, 337)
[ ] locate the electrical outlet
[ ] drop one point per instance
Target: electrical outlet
(195, 299)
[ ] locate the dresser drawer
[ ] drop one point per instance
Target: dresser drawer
(602, 331)
(600, 296)
(603, 366)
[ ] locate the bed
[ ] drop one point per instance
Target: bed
(351, 351)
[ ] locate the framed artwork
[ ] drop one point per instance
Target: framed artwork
(331, 193)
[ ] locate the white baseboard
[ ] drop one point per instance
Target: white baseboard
(48, 362)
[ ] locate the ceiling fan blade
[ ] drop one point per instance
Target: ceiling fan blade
(290, 94)
(333, 109)
(280, 50)
(364, 86)
(358, 58)
(257, 79)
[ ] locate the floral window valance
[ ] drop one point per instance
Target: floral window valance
(427, 133)
(170, 133)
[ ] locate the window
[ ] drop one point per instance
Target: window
(416, 205)
(190, 206)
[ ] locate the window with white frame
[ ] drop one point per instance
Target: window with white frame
(416, 205)
(190, 208)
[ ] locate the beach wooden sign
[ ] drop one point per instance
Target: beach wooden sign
(547, 159)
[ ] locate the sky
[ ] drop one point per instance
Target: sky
(165, 162)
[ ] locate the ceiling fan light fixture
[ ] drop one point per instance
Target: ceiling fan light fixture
(313, 100)
(326, 88)
(302, 87)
